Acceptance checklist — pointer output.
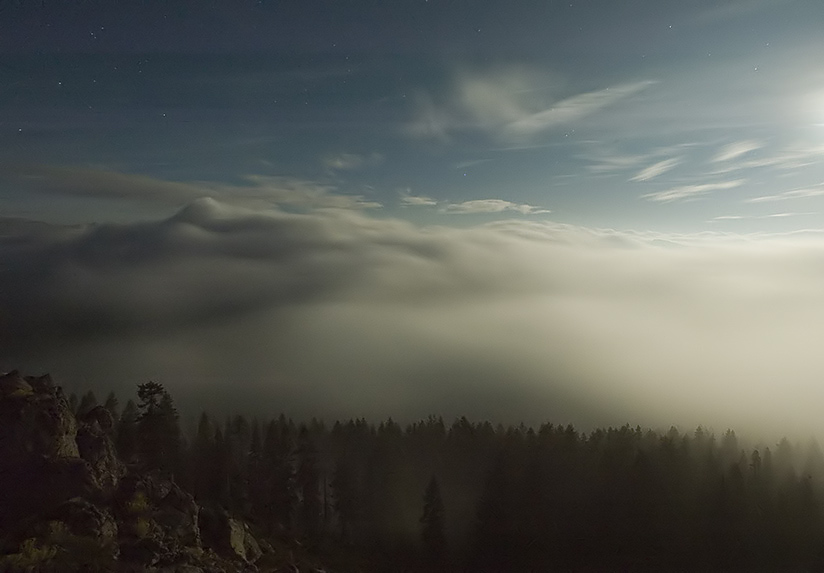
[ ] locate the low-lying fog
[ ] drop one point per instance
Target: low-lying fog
(336, 313)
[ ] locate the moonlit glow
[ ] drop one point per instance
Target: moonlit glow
(593, 213)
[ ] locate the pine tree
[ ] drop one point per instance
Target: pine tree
(238, 438)
(494, 527)
(222, 489)
(73, 403)
(256, 472)
(112, 405)
(308, 483)
(202, 465)
(87, 402)
(432, 521)
(344, 496)
(280, 497)
(158, 430)
(126, 440)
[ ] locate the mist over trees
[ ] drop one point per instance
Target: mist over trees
(483, 497)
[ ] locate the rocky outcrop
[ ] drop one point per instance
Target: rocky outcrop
(161, 504)
(12, 383)
(229, 537)
(95, 445)
(82, 518)
(34, 423)
(40, 464)
(68, 503)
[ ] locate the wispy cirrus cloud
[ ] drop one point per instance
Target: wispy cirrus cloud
(470, 163)
(658, 160)
(736, 150)
(656, 169)
(513, 104)
(431, 121)
(726, 11)
(816, 191)
(610, 163)
(417, 200)
(691, 191)
(769, 216)
(351, 161)
(795, 156)
(572, 109)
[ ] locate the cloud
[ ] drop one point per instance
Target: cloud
(770, 216)
(491, 206)
(470, 163)
(656, 169)
(498, 98)
(430, 121)
(260, 191)
(512, 104)
(573, 108)
(472, 207)
(296, 192)
(97, 183)
(351, 161)
(660, 160)
(736, 150)
(691, 191)
(335, 313)
(792, 194)
(417, 200)
(736, 9)
(796, 156)
(608, 163)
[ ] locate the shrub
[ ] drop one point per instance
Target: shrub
(31, 557)
(142, 528)
(138, 505)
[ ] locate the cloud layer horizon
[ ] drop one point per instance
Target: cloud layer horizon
(337, 313)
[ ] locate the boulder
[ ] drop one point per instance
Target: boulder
(100, 419)
(242, 542)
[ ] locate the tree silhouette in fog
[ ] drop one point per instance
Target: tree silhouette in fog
(519, 499)
(432, 521)
(158, 432)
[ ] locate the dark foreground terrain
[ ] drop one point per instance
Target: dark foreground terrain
(96, 487)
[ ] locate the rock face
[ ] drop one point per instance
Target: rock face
(69, 501)
(230, 537)
(40, 464)
(34, 423)
(159, 501)
(47, 456)
(83, 518)
(95, 445)
(12, 383)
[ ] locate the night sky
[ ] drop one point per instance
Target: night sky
(588, 211)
